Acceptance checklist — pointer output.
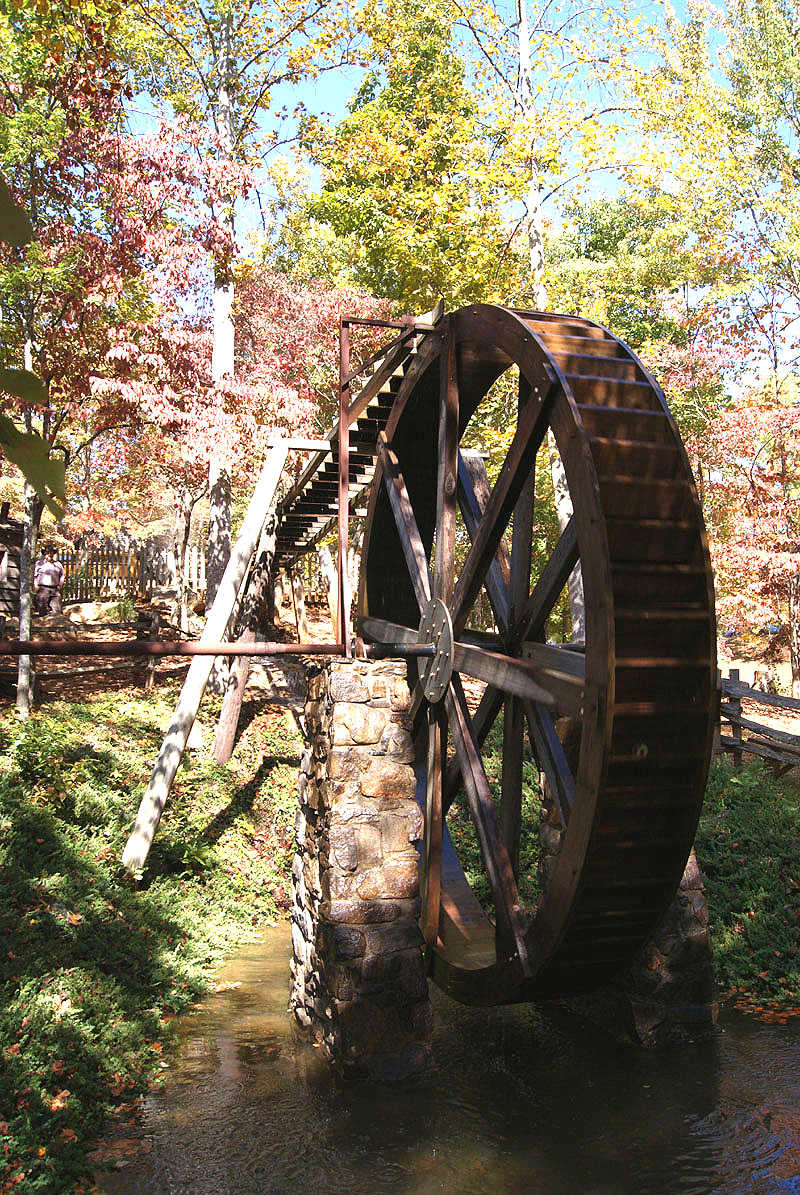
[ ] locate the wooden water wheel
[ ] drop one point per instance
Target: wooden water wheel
(639, 696)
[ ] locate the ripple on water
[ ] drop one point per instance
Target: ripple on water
(520, 1102)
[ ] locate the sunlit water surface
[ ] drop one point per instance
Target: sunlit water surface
(523, 1100)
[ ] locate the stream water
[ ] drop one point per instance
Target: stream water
(522, 1100)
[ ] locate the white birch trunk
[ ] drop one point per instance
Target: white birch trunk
(327, 571)
(222, 355)
(223, 350)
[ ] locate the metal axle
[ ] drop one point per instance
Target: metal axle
(185, 647)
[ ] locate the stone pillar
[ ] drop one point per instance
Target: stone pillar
(358, 973)
(670, 985)
(667, 997)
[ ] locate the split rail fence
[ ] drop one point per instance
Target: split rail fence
(778, 747)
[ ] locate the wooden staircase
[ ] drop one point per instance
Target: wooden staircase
(309, 511)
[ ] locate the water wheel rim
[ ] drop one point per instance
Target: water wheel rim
(489, 340)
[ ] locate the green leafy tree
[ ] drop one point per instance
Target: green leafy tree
(409, 177)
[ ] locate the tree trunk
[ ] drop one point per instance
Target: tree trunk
(184, 505)
(30, 534)
(299, 600)
(328, 573)
(794, 632)
(222, 355)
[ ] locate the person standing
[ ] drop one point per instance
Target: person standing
(48, 581)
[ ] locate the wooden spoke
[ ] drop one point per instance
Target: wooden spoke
(542, 678)
(489, 707)
(551, 581)
(381, 631)
(530, 431)
(407, 529)
(432, 841)
(551, 758)
(510, 917)
(519, 578)
(473, 496)
(446, 497)
(511, 785)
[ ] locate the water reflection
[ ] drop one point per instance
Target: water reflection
(523, 1099)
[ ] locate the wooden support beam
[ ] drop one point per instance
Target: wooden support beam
(259, 592)
(160, 784)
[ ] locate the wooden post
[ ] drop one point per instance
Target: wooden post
(158, 789)
(150, 678)
(736, 729)
(328, 574)
(343, 583)
(258, 594)
(298, 597)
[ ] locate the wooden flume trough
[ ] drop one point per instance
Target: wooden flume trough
(621, 726)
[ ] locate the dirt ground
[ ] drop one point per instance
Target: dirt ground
(88, 620)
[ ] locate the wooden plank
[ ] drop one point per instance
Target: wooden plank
(488, 708)
(530, 431)
(734, 688)
(519, 576)
(551, 758)
(774, 756)
(407, 530)
(382, 631)
(768, 741)
(730, 712)
(434, 824)
(511, 779)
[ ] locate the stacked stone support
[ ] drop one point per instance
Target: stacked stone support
(358, 973)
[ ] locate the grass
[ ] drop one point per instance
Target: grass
(92, 966)
(748, 846)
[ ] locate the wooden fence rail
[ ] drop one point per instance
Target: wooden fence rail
(778, 747)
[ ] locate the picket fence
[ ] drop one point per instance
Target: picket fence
(109, 572)
(116, 572)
